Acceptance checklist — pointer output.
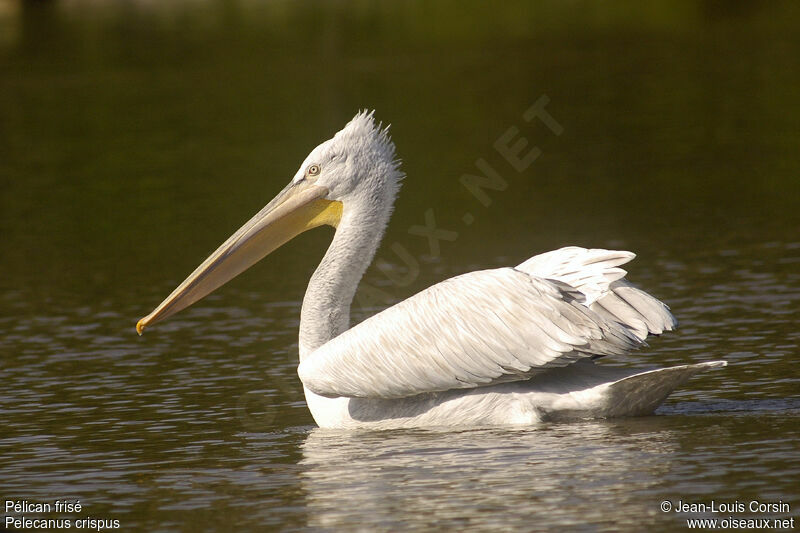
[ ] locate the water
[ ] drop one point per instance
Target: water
(135, 138)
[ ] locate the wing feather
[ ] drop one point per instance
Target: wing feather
(491, 326)
(596, 274)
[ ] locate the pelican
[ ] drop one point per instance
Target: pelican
(514, 345)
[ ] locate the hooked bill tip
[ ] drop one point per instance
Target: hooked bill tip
(140, 327)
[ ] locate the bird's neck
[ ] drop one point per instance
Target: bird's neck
(326, 305)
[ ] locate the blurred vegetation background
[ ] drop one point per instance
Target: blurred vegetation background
(136, 135)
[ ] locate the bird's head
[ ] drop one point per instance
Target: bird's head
(358, 161)
(355, 173)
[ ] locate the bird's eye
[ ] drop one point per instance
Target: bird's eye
(313, 170)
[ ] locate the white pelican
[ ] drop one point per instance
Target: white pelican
(503, 346)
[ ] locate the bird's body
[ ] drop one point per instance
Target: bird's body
(502, 346)
(580, 391)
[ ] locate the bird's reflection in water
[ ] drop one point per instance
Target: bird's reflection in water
(596, 472)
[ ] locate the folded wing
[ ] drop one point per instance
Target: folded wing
(491, 326)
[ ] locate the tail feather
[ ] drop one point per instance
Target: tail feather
(608, 392)
(642, 393)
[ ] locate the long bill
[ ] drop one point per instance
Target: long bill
(299, 207)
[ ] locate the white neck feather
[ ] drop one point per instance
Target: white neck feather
(326, 305)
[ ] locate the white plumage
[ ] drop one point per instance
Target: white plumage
(471, 330)
(501, 346)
